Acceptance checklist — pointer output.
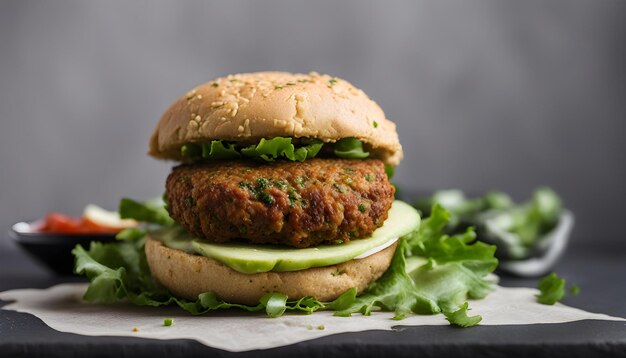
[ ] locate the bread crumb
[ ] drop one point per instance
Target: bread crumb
(135, 329)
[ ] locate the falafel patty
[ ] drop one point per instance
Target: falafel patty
(300, 204)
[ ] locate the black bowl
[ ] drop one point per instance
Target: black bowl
(546, 254)
(54, 250)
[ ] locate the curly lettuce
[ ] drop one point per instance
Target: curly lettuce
(431, 272)
(120, 271)
(266, 150)
(271, 149)
(350, 148)
(515, 228)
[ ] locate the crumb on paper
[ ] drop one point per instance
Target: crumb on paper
(321, 327)
(168, 322)
(135, 329)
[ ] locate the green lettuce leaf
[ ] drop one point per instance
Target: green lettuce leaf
(131, 233)
(551, 289)
(444, 271)
(390, 170)
(463, 209)
(272, 149)
(350, 148)
(217, 150)
(515, 228)
(152, 212)
(281, 147)
(538, 216)
(119, 271)
(461, 319)
(394, 291)
(430, 272)
(266, 150)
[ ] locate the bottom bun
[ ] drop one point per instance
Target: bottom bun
(187, 276)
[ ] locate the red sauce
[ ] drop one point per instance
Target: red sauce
(63, 224)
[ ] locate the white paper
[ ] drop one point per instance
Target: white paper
(61, 308)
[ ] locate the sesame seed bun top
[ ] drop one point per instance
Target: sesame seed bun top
(250, 106)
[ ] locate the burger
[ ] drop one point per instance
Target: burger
(283, 186)
(282, 201)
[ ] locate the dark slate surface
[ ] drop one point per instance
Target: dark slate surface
(600, 272)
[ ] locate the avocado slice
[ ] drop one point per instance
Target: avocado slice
(250, 258)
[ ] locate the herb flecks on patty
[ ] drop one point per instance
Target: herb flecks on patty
(300, 204)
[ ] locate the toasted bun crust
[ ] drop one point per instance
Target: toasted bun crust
(250, 106)
(187, 276)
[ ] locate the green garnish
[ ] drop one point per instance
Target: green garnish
(515, 228)
(131, 233)
(390, 171)
(259, 191)
(331, 82)
(430, 272)
(265, 198)
(362, 208)
(574, 290)
(321, 327)
(551, 289)
(300, 181)
(350, 148)
(214, 84)
(272, 149)
(280, 184)
(426, 263)
(266, 150)
(261, 183)
(244, 185)
(217, 150)
(460, 318)
(151, 211)
(168, 322)
(190, 150)
(375, 124)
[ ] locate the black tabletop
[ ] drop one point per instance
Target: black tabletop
(599, 271)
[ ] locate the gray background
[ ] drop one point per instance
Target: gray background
(503, 95)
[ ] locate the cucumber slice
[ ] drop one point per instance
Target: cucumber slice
(250, 258)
